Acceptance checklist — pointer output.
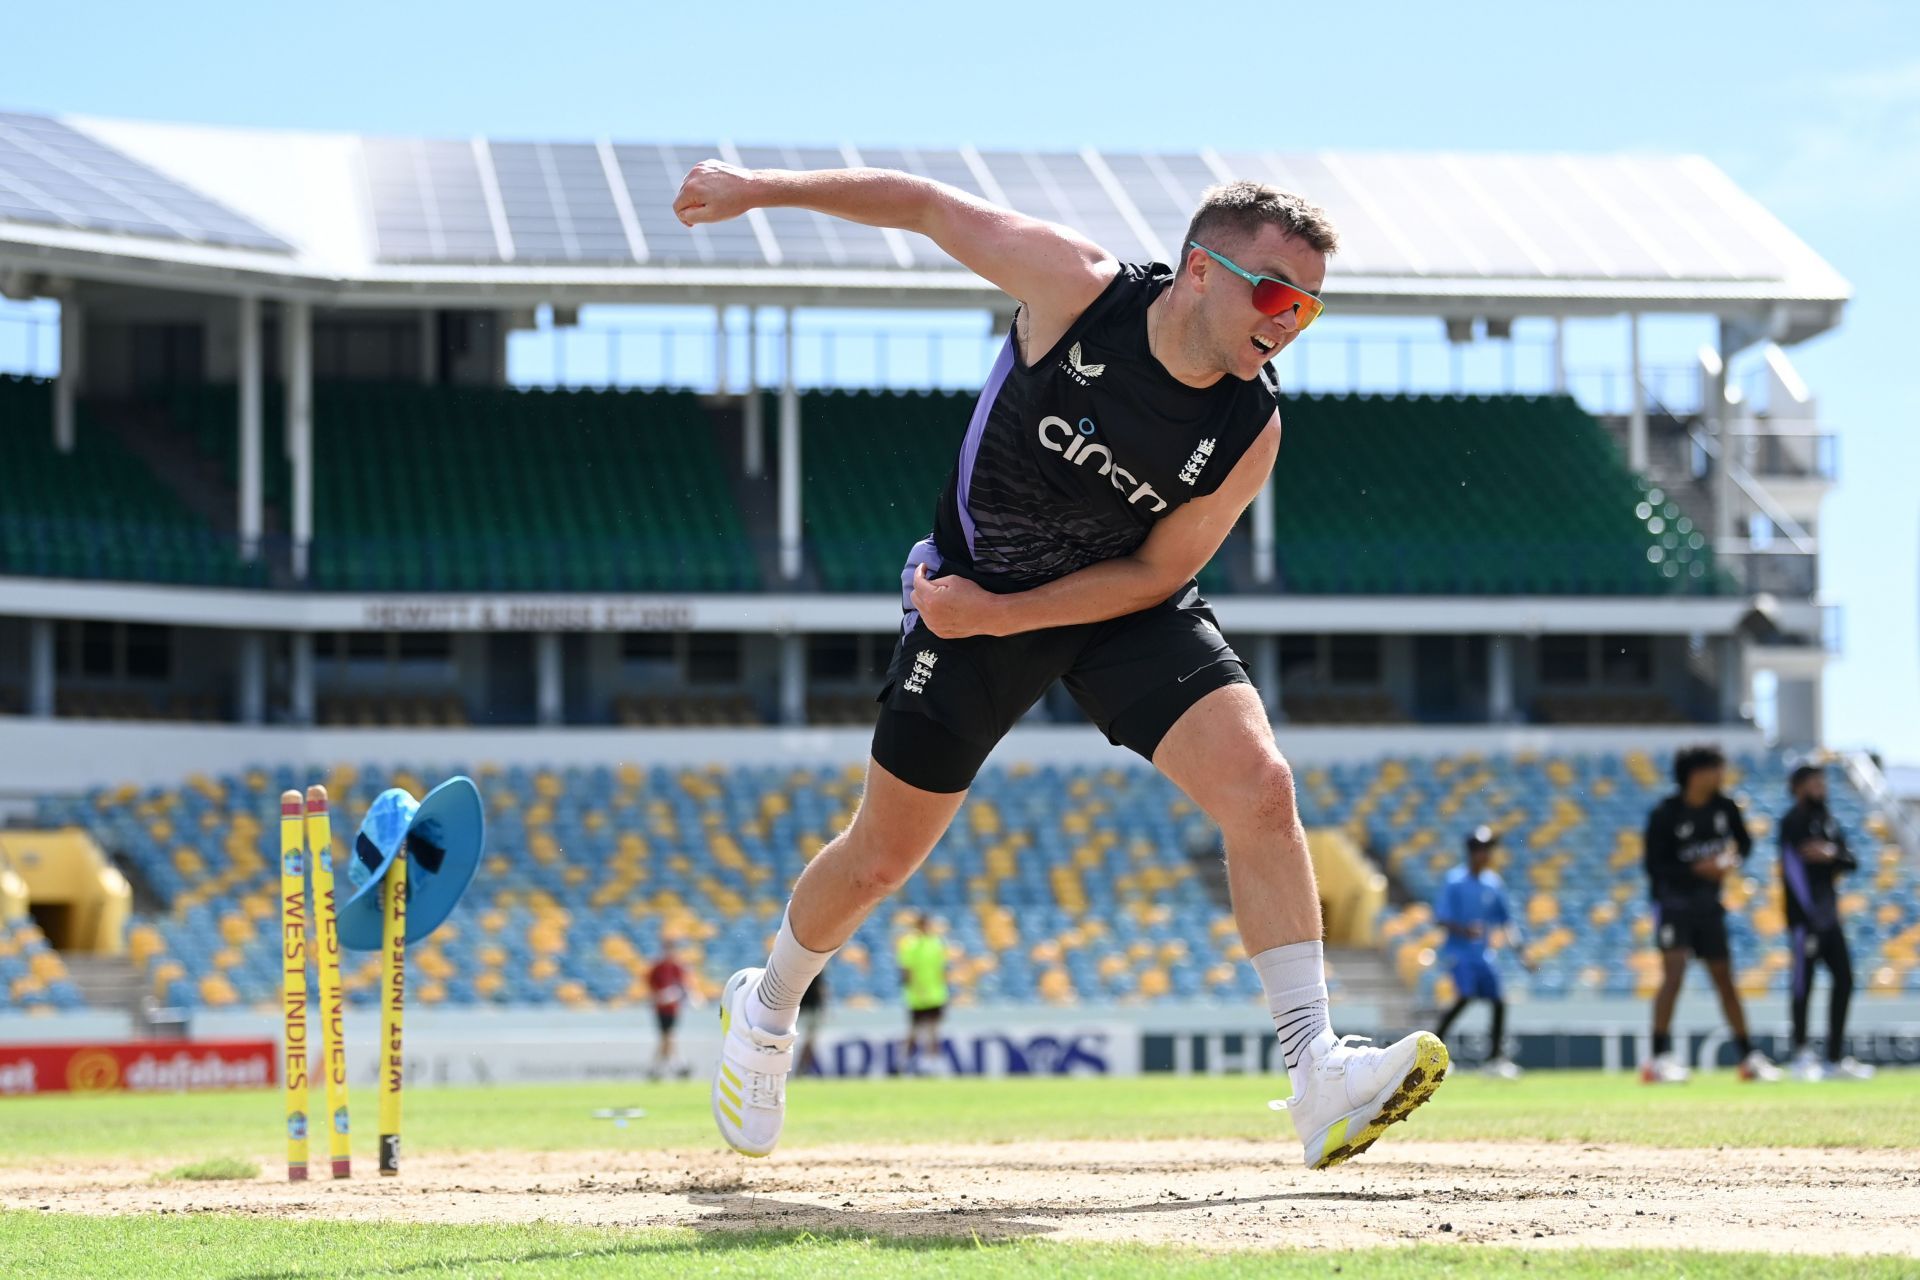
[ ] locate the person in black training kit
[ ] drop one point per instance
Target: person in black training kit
(1813, 851)
(1694, 838)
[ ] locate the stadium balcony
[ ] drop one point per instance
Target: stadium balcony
(460, 489)
(1055, 884)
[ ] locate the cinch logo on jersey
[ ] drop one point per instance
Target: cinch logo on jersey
(1201, 454)
(1079, 446)
(916, 681)
(1079, 372)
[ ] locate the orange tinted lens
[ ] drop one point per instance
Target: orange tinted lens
(1271, 297)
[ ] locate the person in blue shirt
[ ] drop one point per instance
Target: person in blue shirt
(1473, 909)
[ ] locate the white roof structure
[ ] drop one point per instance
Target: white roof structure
(373, 221)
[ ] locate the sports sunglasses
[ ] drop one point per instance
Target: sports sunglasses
(1271, 294)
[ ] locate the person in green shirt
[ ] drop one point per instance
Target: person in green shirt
(923, 981)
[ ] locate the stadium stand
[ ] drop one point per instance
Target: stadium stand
(436, 488)
(587, 868)
(97, 512)
(1572, 865)
(32, 975)
(1376, 494)
(873, 466)
(1494, 495)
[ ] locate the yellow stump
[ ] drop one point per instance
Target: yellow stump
(393, 1000)
(333, 1008)
(293, 990)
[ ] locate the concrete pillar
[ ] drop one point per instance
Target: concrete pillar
(1263, 505)
(250, 673)
(252, 485)
(1266, 675)
(1717, 404)
(429, 347)
(300, 698)
(66, 387)
(1797, 703)
(1500, 679)
(1736, 689)
(793, 678)
(296, 326)
(1637, 399)
(720, 371)
(549, 698)
(753, 446)
(1560, 355)
(40, 668)
(790, 549)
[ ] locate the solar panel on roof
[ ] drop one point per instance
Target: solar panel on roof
(1060, 188)
(559, 207)
(1165, 190)
(54, 175)
(812, 238)
(949, 167)
(428, 201)
(653, 173)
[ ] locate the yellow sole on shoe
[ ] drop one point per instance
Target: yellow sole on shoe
(1429, 1069)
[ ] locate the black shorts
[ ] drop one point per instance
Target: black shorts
(925, 1017)
(947, 703)
(1697, 927)
(666, 1018)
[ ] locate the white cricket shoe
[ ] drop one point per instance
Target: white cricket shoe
(1807, 1068)
(1851, 1068)
(1501, 1068)
(1664, 1068)
(1353, 1092)
(1759, 1069)
(750, 1083)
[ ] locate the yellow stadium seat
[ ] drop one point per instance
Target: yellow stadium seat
(1155, 983)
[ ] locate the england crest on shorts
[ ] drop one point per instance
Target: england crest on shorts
(916, 681)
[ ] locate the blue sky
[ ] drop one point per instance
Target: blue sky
(1815, 109)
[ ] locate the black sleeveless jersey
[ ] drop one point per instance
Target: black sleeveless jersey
(1071, 460)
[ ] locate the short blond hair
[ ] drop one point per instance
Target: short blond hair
(1233, 213)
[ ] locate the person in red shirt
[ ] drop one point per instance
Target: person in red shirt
(668, 984)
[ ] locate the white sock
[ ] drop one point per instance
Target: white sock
(1295, 980)
(775, 1004)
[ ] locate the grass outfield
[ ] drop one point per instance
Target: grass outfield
(1714, 1111)
(34, 1245)
(189, 1137)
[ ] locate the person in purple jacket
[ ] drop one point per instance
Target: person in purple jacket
(1813, 854)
